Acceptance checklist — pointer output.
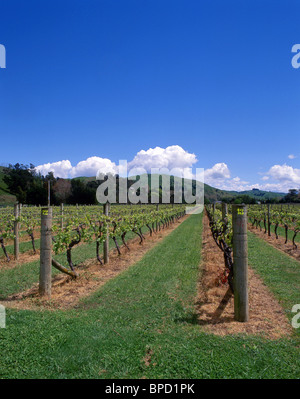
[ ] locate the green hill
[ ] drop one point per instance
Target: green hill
(211, 194)
(6, 198)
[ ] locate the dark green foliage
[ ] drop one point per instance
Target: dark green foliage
(19, 179)
(292, 196)
(81, 193)
(28, 186)
(243, 199)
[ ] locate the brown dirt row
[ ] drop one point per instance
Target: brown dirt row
(67, 292)
(277, 243)
(25, 257)
(266, 316)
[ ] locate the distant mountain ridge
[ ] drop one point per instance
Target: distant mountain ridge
(215, 194)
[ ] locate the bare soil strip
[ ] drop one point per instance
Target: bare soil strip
(25, 257)
(67, 292)
(277, 243)
(266, 316)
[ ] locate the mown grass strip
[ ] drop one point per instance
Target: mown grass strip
(141, 324)
(279, 271)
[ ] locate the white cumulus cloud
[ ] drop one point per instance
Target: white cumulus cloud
(174, 158)
(218, 172)
(285, 173)
(92, 165)
(88, 167)
(279, 178)
(282, 178)
(59, 169)
(170, 157)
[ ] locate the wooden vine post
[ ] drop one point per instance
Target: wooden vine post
(240, 263)
(269, 224)
(224, 210)
(61, 215)
(45, 252)
(48, 192)
(106, 242)
(16, 231)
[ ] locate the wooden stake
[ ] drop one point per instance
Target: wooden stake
(106, 242)
(224, 210)
(46, 252)
(269, 224)
(240, 263)
(16, 231)
(61, 215)
(48, 193)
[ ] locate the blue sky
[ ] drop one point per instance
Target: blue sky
(109, 79)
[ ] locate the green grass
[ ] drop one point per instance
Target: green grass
(148, 309)
(279, 271)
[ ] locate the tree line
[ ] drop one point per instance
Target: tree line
(31, 187)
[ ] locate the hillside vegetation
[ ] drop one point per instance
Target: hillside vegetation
(6, 198)
(211, 194)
